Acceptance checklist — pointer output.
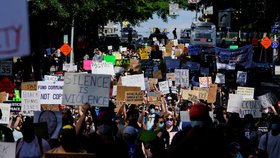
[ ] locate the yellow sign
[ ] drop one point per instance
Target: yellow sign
(144, 55)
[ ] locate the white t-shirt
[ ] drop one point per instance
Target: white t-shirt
(273, 145)
(32, 149)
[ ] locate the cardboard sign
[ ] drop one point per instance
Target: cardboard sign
(51, 92)
(102, 68)
(52, 107)
(14, 26)
(134, 81)
(170, 76)
(81, 88)
(87, 64)
(31, 86)
(5, 107)
(7, 149)
(234, 103)
(134, 97)
(3, 96)
(205, 81)
(212, 93)
(253, 107)
(122, 89)
(30, 102)
(182, 77)
(190, 95)
(157, 74)
(247, 93)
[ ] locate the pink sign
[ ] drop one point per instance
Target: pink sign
(87, 64)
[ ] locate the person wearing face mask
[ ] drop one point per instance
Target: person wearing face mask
(170, 129)
(149, 117)
(269, 143)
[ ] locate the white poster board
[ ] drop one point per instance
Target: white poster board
(163, 87)
(14, 26)
(182, 77)
(134, 81)
(7, 150)
(81, 88)
(5, 107)
(267, 100)
(234, 103)
(50, 78)
(69, 68)
(103, 68)
(30, 102)
(246, 92)
(50, 92)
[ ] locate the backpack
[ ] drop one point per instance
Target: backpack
(39, 142)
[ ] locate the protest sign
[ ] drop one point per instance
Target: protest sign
(205, 81)
(190, 95)
(234, 103)
(253, 107)
(31, 86)
(163, 87)
(118, 56)
(30, 102)
(69, 68)
(134, 97)
(7, 150)
(170, 76)
(3, 96)
(51, 92)
(134, 81)
(144, 54)
(172, 63)
(220, 78)
(15, 107)
(122, 89)
(212, 94)
(182, 77)
(81, 88)
(87, 64)
(241, 77)
(5, 107)
(50, 78)
(247, 93)
(268, 100)
(103, 68)
(14, 26)
(110, 58)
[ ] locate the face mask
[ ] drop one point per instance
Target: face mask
(169, 123)
(152, 111)
(197, 123)
(161, 125)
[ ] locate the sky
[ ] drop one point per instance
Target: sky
(182, 21)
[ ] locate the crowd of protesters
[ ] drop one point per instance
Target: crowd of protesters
(147, 130)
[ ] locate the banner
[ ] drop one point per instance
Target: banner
(81, 88)
(227, 58)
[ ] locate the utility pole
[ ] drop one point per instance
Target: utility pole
(72, 44)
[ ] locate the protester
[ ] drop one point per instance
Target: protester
(30, 145)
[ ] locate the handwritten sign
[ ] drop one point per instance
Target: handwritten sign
(268, 100)
(253, 107)
(14, 28)
(7, 149)
(134, 97)
(50, 78)
(51, 92)
(81, 88)
(5, 107)
(163, 87)
(30, 102)
(102, 68)
(134, 81)
(246, 92)
(182, 77)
